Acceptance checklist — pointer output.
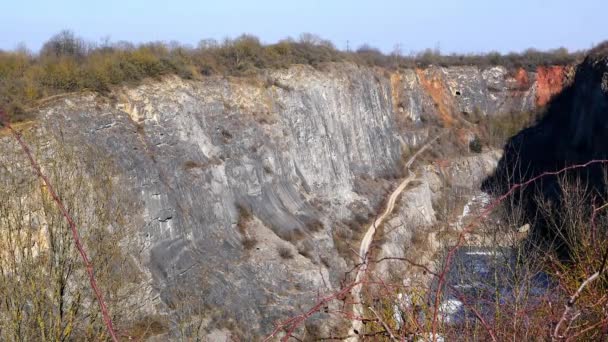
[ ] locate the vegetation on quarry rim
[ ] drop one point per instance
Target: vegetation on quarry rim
(67, 63)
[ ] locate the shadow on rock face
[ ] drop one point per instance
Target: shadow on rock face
(573, 131)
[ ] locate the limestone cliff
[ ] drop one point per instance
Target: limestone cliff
(248, 188)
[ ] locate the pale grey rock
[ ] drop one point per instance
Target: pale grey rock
(469, 172)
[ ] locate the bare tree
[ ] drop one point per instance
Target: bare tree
(65, 43)
(43, 283)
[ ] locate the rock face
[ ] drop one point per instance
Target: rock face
(242, 183)
(467, 90)
(550, 82)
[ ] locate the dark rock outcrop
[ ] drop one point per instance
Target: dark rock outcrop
(572, 131)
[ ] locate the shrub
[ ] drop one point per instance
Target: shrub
(475, 145)
(61, 75)
(371, 56)
(68, 63)
(285, 253)
(249, 243)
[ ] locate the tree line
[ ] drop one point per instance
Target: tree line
(68, 63)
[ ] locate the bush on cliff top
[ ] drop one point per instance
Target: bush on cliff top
(67, 63)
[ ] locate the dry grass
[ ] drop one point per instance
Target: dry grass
(149, 327)
(244, 219)
(191, 165)
(305, 250)
(496, 129)
(285, 253)
(315, 226)
(347, 236)
(292, 235)
(249, 243)
(420, 240)
(245, 216)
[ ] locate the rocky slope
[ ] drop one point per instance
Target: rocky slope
(252, 191)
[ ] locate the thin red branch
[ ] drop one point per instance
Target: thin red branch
(487, 210)
(292, 323)
(479, 317)
(594, 326)
(4, 120)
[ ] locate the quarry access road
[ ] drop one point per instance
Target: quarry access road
(368, 238)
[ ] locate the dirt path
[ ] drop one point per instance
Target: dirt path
(368, 238)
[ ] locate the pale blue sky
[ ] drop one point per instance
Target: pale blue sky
(453, 25)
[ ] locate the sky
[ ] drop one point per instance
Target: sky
(461, 26)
